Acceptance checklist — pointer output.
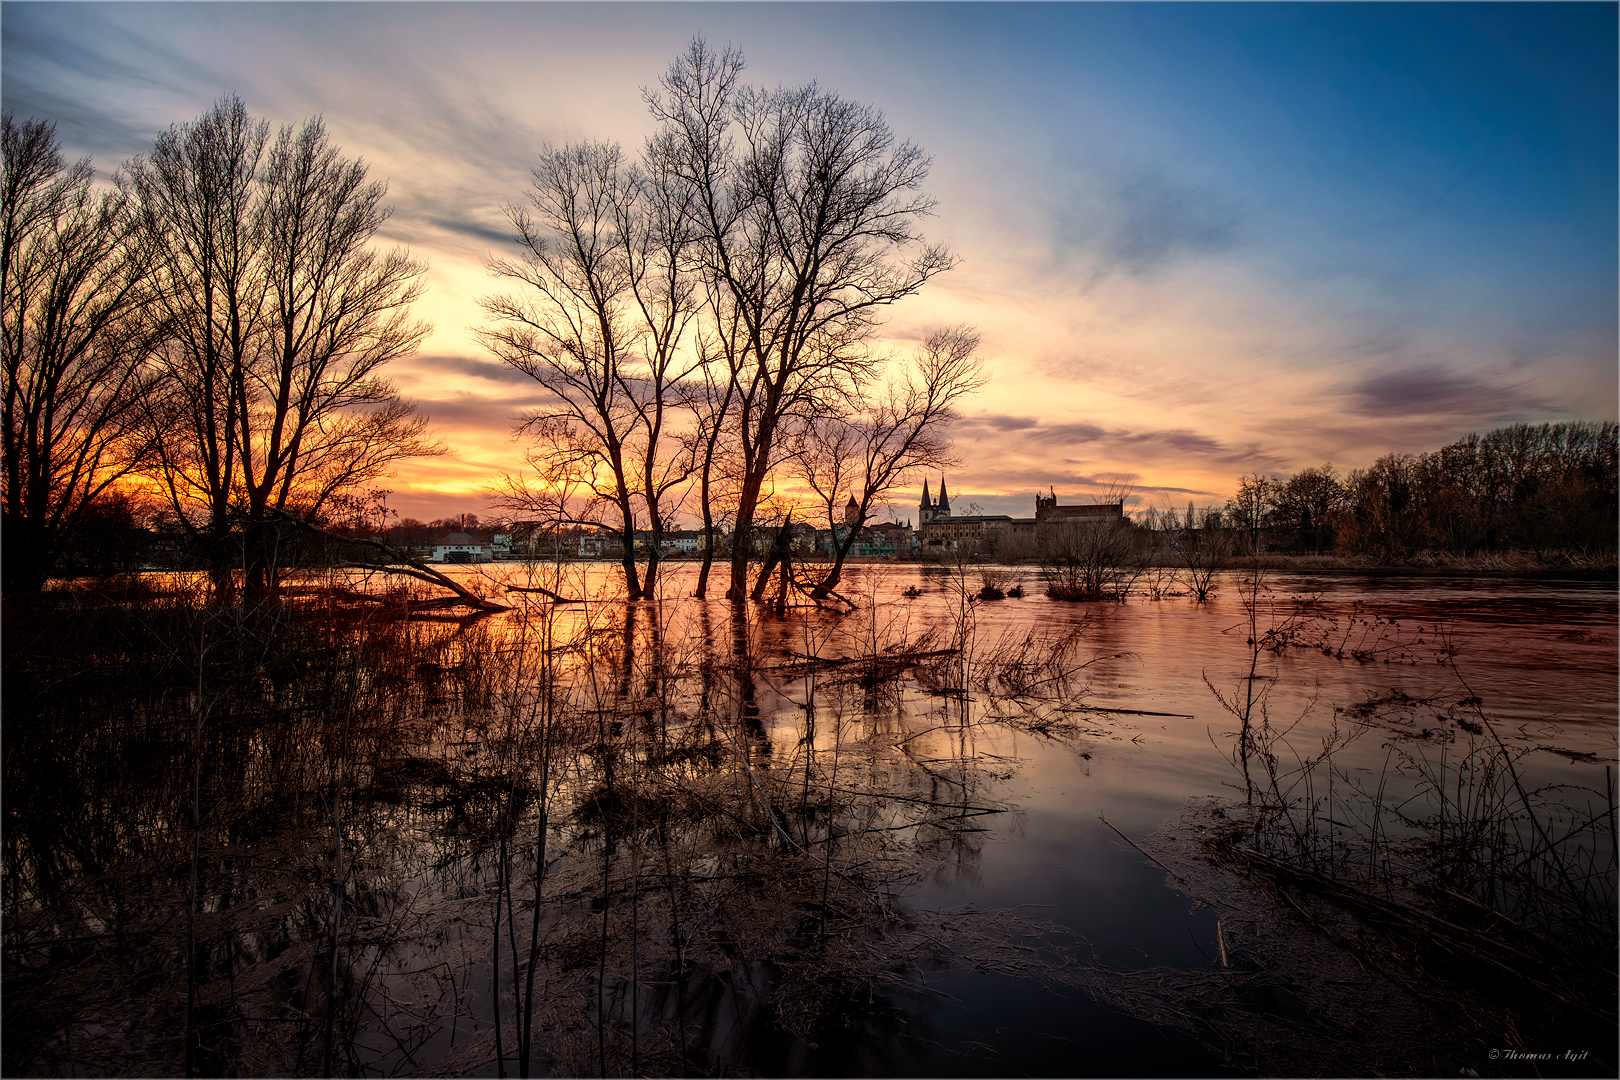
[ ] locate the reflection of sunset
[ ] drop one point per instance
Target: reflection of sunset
(927, 539)
(1196, 242)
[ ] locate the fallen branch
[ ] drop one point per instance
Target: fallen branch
(1130, 712)
(1144, 854)
(405, 566)
(804, 663)
(554, 597)
(412, 568)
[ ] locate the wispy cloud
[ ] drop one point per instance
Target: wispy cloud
(492, 370)
(1438, 391)
(1157, 220)
(1187, 261)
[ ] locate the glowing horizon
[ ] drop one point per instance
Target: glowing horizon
(1198, 241)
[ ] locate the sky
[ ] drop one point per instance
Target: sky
(1197, 240)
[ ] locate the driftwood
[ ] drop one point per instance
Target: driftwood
(405, 566)
(421, 572)
(331, 593)
(804, 663)
(554, 597)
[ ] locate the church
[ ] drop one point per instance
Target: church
(937, 527)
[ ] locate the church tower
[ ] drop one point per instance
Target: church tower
(943, 507)
(925, 509)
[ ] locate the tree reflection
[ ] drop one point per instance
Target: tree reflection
(577, 841)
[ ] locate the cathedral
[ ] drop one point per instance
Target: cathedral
(938, 527)
(929, 510)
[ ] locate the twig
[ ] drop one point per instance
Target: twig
(1144, 854)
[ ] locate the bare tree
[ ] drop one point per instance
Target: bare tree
(655, 221)
(1306, 504)
(885, 436)
(277, 319)
(1203, 547)
(73, 339)
(599, 326)
(1089, 560)
(1252, 509)
(805, 208)
(712, 402)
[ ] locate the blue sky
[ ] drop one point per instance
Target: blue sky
(1199, 240)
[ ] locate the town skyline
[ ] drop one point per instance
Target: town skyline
(1197, 241)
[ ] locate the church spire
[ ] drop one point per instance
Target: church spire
(944, 503)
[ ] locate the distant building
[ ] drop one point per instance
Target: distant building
(458, 548)
(938, 528)
(599, 544)
(685, 541)
(1047, 509)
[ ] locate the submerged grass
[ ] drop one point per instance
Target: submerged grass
(336, 835)
(328, 835)
(1402, 855)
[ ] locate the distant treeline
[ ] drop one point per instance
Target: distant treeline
(1526, 487)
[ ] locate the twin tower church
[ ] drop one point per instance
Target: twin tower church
(927, 511)
(937, 526)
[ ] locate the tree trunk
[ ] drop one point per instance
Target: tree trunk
(702, 590)
(779, 556)
(627, 556)
(742, 536)
(841, 551)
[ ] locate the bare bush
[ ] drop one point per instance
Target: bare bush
(1085, 560)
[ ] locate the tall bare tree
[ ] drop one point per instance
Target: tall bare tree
(73, 281)
(1252, 509)
(805, 207)
(711, 400)
(277, 317)
(655, 222)
(884, 436)
(599, 325)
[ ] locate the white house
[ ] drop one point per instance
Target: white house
(684, 540)
(458, 548)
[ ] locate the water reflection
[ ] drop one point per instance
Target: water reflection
(668, 836)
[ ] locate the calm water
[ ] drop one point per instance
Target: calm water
(1540, 653)
(1134, 735)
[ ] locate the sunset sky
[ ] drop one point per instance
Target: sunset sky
(1198, 240)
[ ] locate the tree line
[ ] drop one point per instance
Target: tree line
(212, 327)
(1537, 488)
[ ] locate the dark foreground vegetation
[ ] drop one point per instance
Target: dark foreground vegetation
(322, 836)
(311, 838)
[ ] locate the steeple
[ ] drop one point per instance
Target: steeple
(944, 505)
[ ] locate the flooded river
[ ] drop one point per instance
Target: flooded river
(912, 838)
